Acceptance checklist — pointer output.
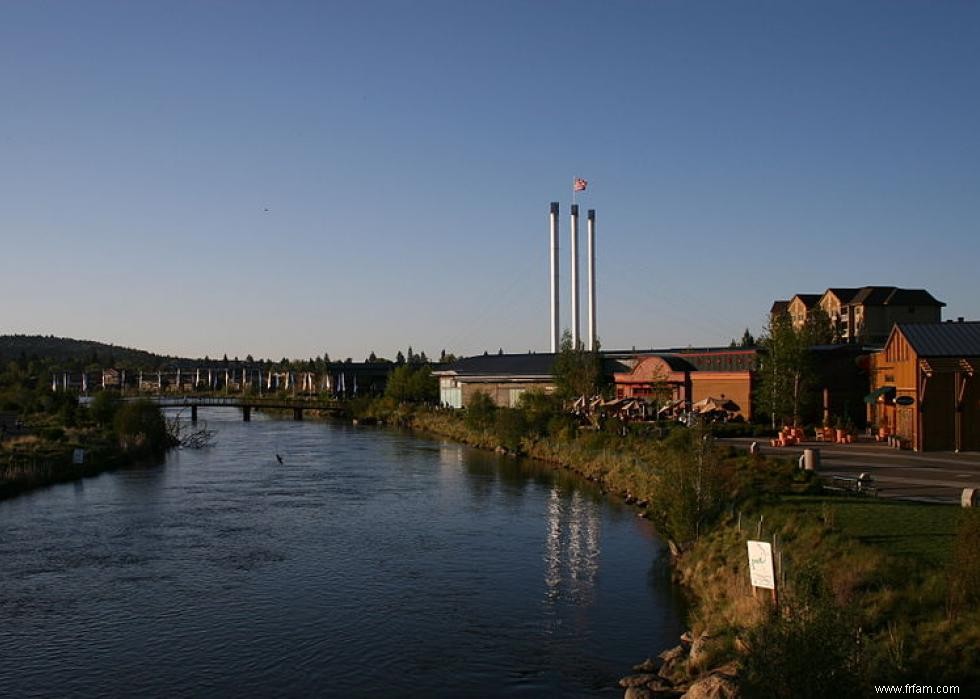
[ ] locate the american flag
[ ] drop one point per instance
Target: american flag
(579, 185)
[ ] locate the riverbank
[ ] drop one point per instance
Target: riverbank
(870, 592)
(62, 447)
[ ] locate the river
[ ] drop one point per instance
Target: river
(370, 562)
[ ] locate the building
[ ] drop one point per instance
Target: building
(923, 388)
(863, 315)
(866, 315)
(800, 307)
(684, 377)
(503, 377)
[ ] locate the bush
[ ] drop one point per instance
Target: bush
(510, 426)
(53, 434)
(539, 409)
(813, 649)
(140, 426)
(104, 407)
(480, 412)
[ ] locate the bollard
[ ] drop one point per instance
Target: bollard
(970, 497)
(753, 448)
(811, 459)
(802, 462)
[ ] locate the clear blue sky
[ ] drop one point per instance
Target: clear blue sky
(737, 152)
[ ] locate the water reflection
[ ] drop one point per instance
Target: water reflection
(572, 548)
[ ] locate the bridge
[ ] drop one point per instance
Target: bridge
(248, 403)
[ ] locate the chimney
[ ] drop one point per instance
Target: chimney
(591, 265)
(555, 321)
(575, 313)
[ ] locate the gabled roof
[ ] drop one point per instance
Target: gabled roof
(874, 295)
(809, 300)
(778, 307)
(843, 294)
(912, 297)
(942, 339)
(888, 296)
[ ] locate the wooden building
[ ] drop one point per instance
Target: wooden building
(923, 388)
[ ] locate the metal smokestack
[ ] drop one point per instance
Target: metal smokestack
(591, 264)
(555, 321)
(575, 314)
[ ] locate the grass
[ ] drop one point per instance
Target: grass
(922, 531)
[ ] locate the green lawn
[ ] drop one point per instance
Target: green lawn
(918, 530)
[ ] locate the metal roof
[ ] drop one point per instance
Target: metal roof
(943, 339)
(509, 364)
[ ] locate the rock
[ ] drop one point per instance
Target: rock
(637, 680)
(712, 687)
(674, 665)
(638, 693)
(729, 670)
(671, 656)
(649, 665)
(699, 652)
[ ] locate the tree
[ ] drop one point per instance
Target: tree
(577, 371)
(372, 358)
(691, 485)
(399, 358)
(747, 339)
(412, 384)
(786, 367)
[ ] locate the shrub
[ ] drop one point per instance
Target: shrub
(140, 425)
(104, 407)
(510, 426)
(53, 434)
(480, 411)
(813, 649)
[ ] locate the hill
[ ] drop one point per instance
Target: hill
(76, 354)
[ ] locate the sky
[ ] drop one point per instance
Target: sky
(294, 178)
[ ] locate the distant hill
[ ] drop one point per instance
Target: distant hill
(77, 353)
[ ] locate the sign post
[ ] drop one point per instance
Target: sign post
(761, 569)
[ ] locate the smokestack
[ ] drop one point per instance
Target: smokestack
(575, 316)
(591, 264)
(555, 321)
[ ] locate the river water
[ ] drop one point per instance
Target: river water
(371, 562)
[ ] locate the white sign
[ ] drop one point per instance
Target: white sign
(760, 565)
(78, 457)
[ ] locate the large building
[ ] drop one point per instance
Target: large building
(923, 388)
(503, 377)
(864, 315)
(677, 375)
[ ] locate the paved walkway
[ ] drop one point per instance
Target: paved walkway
(930, 477)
